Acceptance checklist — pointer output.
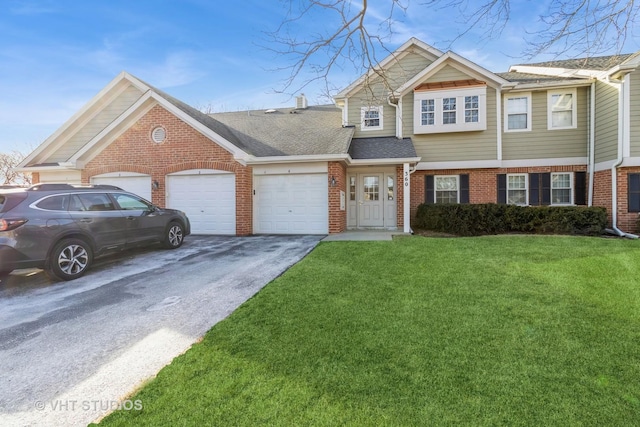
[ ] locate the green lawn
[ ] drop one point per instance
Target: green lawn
(502, 330)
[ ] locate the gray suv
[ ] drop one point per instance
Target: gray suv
(61, 228)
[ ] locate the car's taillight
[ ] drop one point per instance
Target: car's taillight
(11, 224)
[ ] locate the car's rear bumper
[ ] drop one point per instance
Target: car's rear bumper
(11, 259)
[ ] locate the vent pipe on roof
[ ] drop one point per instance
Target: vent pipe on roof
(301, 102)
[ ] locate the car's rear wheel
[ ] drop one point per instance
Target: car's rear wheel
(174, 235)
(70, 259)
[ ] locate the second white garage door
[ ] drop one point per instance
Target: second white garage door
(291, 204)
(208, 197)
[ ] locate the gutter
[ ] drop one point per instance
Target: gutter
(592, 143)
(622, 136)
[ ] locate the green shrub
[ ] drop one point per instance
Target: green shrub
(491, 218)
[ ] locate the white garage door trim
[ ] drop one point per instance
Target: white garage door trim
(207, 196)
(137, 183)
(291, 204)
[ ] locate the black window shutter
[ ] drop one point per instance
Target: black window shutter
(545, 188)
(634, 192)
(534, 189)
(580, 188)
(464, 189)
(429, 197)
(502, 188)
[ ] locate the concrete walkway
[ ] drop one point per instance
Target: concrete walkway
(360, 235)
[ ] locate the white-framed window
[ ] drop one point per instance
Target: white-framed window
(561, 188)
(517, 112)
(450, 110)
(471, 109)
(447, 188)
(517, 186)
(371, 118)
(561, 109)
(428, 112)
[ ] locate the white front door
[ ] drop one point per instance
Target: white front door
(371, 200)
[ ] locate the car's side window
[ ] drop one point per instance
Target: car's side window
(91, 202)
(128, 202)
(54, 203)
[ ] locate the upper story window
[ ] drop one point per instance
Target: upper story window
(518, 112)
(371, 118)
(561, 110)
(455, 106)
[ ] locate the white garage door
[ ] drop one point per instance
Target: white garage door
(208, 197)
(136, 183)
(291, 204)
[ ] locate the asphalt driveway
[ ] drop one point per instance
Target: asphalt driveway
(72, 351)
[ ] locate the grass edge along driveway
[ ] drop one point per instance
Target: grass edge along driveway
(512, 330)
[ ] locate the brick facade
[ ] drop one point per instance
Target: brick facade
(184, 148)
(337, 217)
(483, 183)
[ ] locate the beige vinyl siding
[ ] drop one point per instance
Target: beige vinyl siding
(376, 92)
(606, 130)
(454, 146)
(448, 73)
(541, 143)
(96, 123)
(635, 114)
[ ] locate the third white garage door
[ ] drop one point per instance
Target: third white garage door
(207, 196)
(291, 204)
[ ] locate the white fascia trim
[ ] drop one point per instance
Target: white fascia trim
(127, 114)
(629, 162)
(238, 154)
(453, 59)
(607, 165)
(557, 72)
(47, 144)
(393, 56)
(30, 169)
(251, 160)
(492, 164)
(527, 87)
(377, 162)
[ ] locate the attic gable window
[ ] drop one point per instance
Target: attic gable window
(456, 106)
(371, 118)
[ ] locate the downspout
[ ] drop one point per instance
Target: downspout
(622, 138)
(592, 143)
(398, 116)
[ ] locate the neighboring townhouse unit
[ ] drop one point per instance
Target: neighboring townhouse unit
(433, 127)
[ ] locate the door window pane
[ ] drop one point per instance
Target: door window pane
(352, 188)
(371, 188)
(390, 188)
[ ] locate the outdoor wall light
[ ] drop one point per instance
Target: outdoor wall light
(333, 181)
(155, 185)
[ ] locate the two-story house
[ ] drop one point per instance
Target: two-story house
(432, 127)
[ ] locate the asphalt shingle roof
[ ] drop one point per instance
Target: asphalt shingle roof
(382, 148)
(595, 63)
(316, 130)
(532, 78)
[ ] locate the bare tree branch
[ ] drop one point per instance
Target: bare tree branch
(8, 161)
(354, 36)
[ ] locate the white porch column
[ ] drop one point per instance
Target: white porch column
(406, 196)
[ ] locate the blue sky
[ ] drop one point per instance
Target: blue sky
(55, 55)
